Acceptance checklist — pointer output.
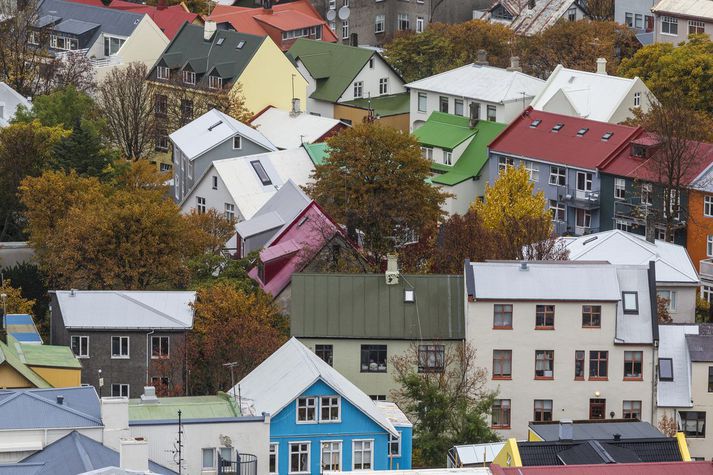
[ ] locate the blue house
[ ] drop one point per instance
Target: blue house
(320, 420)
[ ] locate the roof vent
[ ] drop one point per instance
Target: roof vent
(591, 239)
(149, 395)
(607, 136)
(60, 399)
(535, 123)
(523, 265)
(72, 292)
(582, 131)
(617, 437)
(558, 126)
(566, 429)
(210, 129)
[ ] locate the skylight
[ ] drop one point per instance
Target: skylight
(558, 126)
(582, 131)
(261, 173)
(535, 123)
(240, 45)
(607, 136)
(220, 41)
(665, 369)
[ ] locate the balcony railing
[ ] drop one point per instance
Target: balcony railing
(245, 465)
(640, 214)
(586, 199)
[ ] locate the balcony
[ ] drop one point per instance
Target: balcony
(585, 199)
(641, 214)
(706, 269)
(562, 228)
(245, 465)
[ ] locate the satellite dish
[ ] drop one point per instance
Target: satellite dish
(331, 15)
(344, 13)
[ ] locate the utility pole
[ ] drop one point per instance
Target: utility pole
(180, 443)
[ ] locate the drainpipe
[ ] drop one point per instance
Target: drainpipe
(147, 355)
(654, 383)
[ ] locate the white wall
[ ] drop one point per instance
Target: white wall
(370, 77)
(17, 444)
(685, 311)
(682, 35)
(214, 198)
(624, 111)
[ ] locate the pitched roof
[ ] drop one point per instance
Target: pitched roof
(530, 21)
(673, 265)
(22, 328)
(40, 409)
(290, 371)
(50, 356)
(687, 8)
(700, 348)
(112, 22)
(596, 430)
(11, 100)
(475, 454)
(527, 138)
(672, 344)
(656, 468)
(364, 306)
(277, 212)
(318, 152)
(480, 82)
(287, 130)
(220, 406)
(212, 129)
(126, 309)
(9, 356)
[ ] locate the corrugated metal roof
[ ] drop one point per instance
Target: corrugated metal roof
(286, 130)
(659, 468)
(364, 306)
(694, 8)
(193, 407)
(477, 454)
(672, 344)
(590, 430)
(587, 452)
(40, 409)
(113, 22)
(700, 348)
(277, 212)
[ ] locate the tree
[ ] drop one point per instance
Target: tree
(447, 408)
(212, 230)
(27, 277)
(14, 301)
(62, 107)
(230, 326)
(600, 10)
(82, 151)
(662, 305)
(374, 181)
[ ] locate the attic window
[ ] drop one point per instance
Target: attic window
(665, 369)
(220, 41)
(261, 173)
(240, 45)
(582, 131)
(535, 123)
(638, 151)
(607, 136)
(558, 126)
(630, 301)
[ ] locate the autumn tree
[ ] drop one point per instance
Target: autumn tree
(14, 301)
(230, 326)
(600, 10)
(27, 277)
(374, 181)
(63, 107)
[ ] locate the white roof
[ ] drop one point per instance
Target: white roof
(673, 265)
(290, 371)
(393, 413)
(210, 130)
(126, 309)
(694, 8)
(672, 344)
(478, 453)
(485, 83)
(245, 187)
(277, 212)
(635, 328)
(10, 99)
(591, 95)
(286, 130)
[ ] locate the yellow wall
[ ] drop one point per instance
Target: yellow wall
(509, 455)
(267, 80)
(357, 116)
(10, 378)
(60, 377)
(532, 437)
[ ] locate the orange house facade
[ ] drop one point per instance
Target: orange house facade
(699, 237)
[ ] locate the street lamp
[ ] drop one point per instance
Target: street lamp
(101, 382)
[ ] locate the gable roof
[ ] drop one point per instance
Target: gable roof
(482, 82)
(9, 356)
(596, 430)
(672, 344)
(11, 100)
(22, 328)
(277, 212)
(126, 309)
(291, 370)
(318, 152)
(685, 8)
(212, 129)
(110, 21)
(40, 409)
(383, 106)
(49, 356)
(654, 468)
(530, 21)
(287, 130)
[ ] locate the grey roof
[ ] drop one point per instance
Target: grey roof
(585, 430)
(76, 453)
(112, 21)
(75, 27)
(277, 212)
(20, 468)
(364, 306)
(40, 409)
(700, 348)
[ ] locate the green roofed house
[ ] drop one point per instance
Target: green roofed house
(358, 322)
(31, 365)
(350, 84)
(458, 150)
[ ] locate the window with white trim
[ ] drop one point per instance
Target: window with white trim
(422, 101)
(159, 347)
(208, 458)
(696, 27)
(112, 45)
(119, 390)
(670, 296)
(200, 204)
(307, 409)
(558, 211)
(230, 211)
(707, 293)
(669, 25)
(384, 86)
(330, 408)
(709, 245)
(80, 346)
(237, 142)
(273, 464)
(419, 24)
(119, 346)
(708, 206)
(215, 182)
(646, 193)
(362, 454)
(533, 170)
(558, 176)
(622, 225)
(189, 77)
(359, 89)
(299, 457)
(394, 446)
(447, 158)
(345, 29)
(163, 73)
(458, 107)
(427, 153)
(215, 82)
(379, 23)
(637, 99)
(331, 455)
(403, 22)
(619, 188)
(504, 162)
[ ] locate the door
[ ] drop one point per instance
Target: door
(597, 409)
(584, 184)
(583, 221)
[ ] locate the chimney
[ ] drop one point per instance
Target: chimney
(392, 269)
(267, 7)
(60, 399)
(115, 416)
(149, 395)
(209, 29)
(650, 230)
(566, 431)
(134, 455)
(72, 292)
(473, 114)
(295, 107)
(530, 4)
(482, 58)
(617, 437)
(161, 5)
(515, 64)
(523, 265)
(601, 66)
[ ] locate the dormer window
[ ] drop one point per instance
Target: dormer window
(607, 136)
(535, 123)
(558, 126)
(638, 150)
(163, 73)
(215, 82)
(189, 77)
(582, 131)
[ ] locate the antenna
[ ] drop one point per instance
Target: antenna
(232, 380)
(178, 447)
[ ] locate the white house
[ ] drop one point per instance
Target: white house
(290, 129)
(493, 94)
(10, 100)
(595, 96)
(676, 19)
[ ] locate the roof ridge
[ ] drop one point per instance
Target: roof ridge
(63, 407)
(148, 307)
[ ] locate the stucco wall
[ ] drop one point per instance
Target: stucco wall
(660, 37)
(370, 78)
(60, 377)
(215, 199)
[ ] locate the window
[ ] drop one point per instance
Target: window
(709, 245)
(326, 352)
(273, 463)
(637, 99)
(384, 86)
(111, 45)
(591, 316)
(619, 188)
(237, 142)
(331, 455)
(299, 457)
(422, 102)
(159, 347)
(161, 140)
(707, 293)
(163, 73)
(165, 167)
(646, 192)
(394, 446)
(200, 204)
(215, 82)
(119, 390)
(447, 158)
(120, 347)
(379, 23)
(630, 300)
(502, 364)
(598, 364)
(329, 409)
(558, 211)
(708, 206)
(629, 19)
(670, 297)
(230, 211)
(579, 364)
(500, 414)
(359, 89)
(533, 170)
(631, 410)
(622, 225)
(638, 21)
(665, 369)
(502, 315)
(582, 132)
(345, 29)
(373, 358)
(474, 108)
(710, 379)
(403, 23)
(362, 454)
(669, 25)
(633, 362)
(80, 346)
(307, 409)
(572, 14)
(443, 104)
(491, 113)
(34, 38)
(543, 410)
(458, 106)
(160, 382)
(186, 110)
(189, 77)
(427, 153)
(160, 104)
(64, 43)
(378, 397)
(332, 4)
(597, 409)
(693, 423)
(431, 358)
(504, 162)
(261, 173)
(545, 316)
(558, 176)
(544, 364)
(419, 24)
(208, 458)
(215, 182)
(696, 27)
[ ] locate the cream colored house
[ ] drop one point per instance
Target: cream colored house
(563, 340)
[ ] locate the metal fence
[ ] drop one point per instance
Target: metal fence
(246, 464)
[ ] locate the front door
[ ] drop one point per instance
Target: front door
(597, 409)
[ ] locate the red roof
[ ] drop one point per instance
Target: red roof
(168, 19)
(527, 138)
(659, 468)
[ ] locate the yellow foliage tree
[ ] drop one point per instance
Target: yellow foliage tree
(14, 301)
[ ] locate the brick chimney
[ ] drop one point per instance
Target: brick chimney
(161, 5)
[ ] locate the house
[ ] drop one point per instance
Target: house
(474, 90)
(676, 277)
(636, 14)
(212, 136)
(584, 430)
(106, 36)
(593, 95)
(282, 22)
(350, 84)
(321, 420)
(125, 339)
(570, 340)
(211, 61)
(291, 129)
(561, 153)
(675, 20)
(473, 455)
(240, 186)
(458, 150)
(10, 100)
(699, 230)
(651, 468)
(531, 17)
(357, 323)
(684, 393)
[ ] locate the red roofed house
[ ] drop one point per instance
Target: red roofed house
(284, 23)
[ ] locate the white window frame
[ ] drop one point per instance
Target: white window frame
(708, 206)
(189, 77)
(168, 347)
(709, 245)
(447, 157)
(402, 19)
(383, 86)
(456, 103)
(504, 163)
(619, 189)
(670, 22)
(239, 140)
(420, 22)
(379, 23)
(393, 439)
(637, 99)
(533, 170)
(163, 73)
(354, 451)
(121, 386)
(215, 82)
(358, 89)
(340, 452)
(494, 110)
(671, 296)
(427, 153)
(622, 225)
(555, 175)
(213, 458)
(313, 406)
(274, 453)
(215, 182)
(345, 29)
(697, 25)
(558, 208)
(200, 204)
(230, 211)
(647, 190)
(81, 338)
(309, 457)
(128, 347)
(424, 96)
(707, 293)
(339, 409)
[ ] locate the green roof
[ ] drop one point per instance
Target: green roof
(192, 407)
(318, 152)
(334, 66)
(10, 357)
(47, 355)
(384, 106)
(447, 131)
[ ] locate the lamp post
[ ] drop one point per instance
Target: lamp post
(101, 382)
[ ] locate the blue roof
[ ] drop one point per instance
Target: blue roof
(39, 408)
(22, 327)
(21, 468)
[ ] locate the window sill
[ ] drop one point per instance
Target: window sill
(596, 378)
(160, 357)
(306, 422)
(85, 357)
(500, 427)
(373, 372)
(120, 357)
(503, 328)
(502, 378)
(544, 378)
(640, 378)
(591, 327)
(579, 378)
(545, 328)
